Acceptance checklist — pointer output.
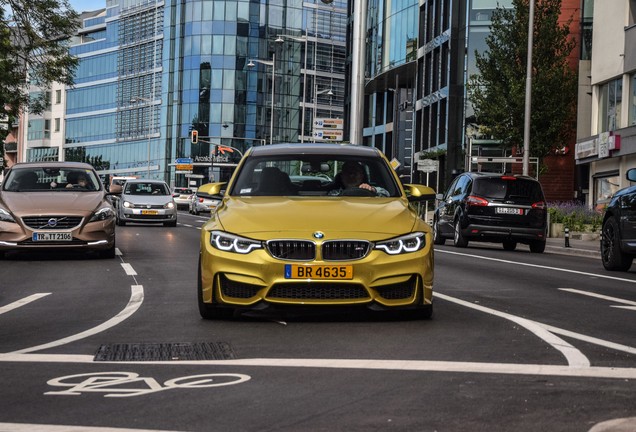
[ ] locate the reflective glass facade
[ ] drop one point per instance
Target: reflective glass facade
(152, 72)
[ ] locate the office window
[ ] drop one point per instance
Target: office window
(611, 102)
(58, 96)
(632, 101)
(57, 125)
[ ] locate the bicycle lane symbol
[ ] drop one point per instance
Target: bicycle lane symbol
(127, 384)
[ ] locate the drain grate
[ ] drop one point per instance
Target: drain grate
(165, 351)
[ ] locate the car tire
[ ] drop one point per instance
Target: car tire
(509, 245)
(611, 255)
(120, 222)
(458, 238)
(108, 253)
(437, 236)
(170, 224)
(207, 311)
(424, 313)
(537, 246)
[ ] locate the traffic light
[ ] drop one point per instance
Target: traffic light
(194, 137)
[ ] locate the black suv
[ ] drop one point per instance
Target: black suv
(487, 207)
(618, 239)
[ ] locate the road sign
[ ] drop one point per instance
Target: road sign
(428, 165)
(328, 123)
(180, 161)
(184, 167)
(328, 135)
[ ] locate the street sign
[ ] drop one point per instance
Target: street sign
(184, 167)
(180, 161)
(328, 135)
(428, 165)
(328, 123)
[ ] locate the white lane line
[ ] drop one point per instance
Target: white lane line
(136, 299)
(600, 296)
(34, 427)
(589, 339)
(363, 364)
(118, 252)
(574, 357)
(130, 271)
(22, 302)
(600, 276)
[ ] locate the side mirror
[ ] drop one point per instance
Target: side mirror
(631, 175)
(115, 189)
(418, 192)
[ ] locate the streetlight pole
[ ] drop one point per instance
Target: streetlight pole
(526, 125)
(271, 63)
(151, 123)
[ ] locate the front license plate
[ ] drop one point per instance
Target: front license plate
(149, 212)
(52, 236)
(509, 210)
(295, 271)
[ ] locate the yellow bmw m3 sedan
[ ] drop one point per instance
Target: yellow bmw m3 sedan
(317, 226)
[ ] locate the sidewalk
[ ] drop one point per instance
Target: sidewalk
(587, 248)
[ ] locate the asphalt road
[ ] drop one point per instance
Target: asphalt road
(519, 341)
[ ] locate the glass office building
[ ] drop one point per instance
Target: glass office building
(240, 73)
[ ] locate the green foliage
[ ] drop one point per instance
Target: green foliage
(498, 92)
(575, 216)
(33, 45)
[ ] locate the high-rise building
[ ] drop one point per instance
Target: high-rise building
(239, 73)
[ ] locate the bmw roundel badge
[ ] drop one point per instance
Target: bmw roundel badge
(319, 235)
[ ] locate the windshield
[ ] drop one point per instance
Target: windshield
(146, 189)
(311, 175)
(62, 179)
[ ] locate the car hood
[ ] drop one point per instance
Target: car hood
(48, 203)
(266, 218)
(148, 199)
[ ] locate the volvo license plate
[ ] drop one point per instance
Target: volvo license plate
(332, 272)
(52, 236)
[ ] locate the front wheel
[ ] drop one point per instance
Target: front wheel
(459, 239)
(509, 245)
(438, 239)
(537, 246)
(206, 310)
(611, 255)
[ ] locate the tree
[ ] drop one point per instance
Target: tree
(33, 47)
(498, 92)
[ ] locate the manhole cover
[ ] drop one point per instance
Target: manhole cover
(165, 351)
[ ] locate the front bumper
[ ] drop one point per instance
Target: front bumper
(138, 215)
(380, 281)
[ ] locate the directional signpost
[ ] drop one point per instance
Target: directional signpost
(328, 129)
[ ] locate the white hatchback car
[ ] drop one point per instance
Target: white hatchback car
(146, 201)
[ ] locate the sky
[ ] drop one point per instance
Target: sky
(87, 5)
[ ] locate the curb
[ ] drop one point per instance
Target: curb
(590, 253)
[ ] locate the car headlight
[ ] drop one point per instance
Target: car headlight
(5, 216)
(233, 243)
(102, 214)
(403, 244)
(128, 204)
(170, 205)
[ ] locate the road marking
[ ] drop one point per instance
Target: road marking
(114, 383)
(136, 299)
(632, 304)
(574, 357)
(130, 271)
(596, 275)
(22, 302)
(34, 427)
(118, 252)
(362, 364)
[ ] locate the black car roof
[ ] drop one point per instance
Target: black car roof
(314, 149)
(499, 175)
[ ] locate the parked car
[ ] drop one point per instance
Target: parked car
(618, 239)
(202, 202)
(146, 201)
(45, 205)
(273, 244)
(182, 197)
(488, 207)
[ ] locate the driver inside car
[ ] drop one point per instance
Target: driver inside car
(353, 176)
